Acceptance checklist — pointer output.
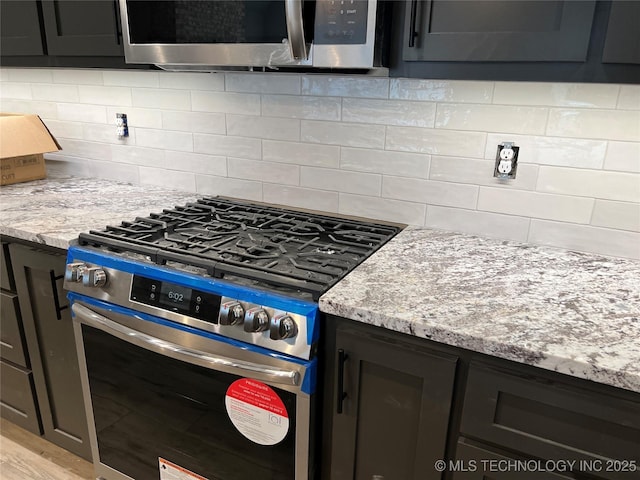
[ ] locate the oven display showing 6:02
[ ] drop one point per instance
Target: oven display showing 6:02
(175, 296)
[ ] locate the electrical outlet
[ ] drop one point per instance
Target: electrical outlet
(122, 127)
(506, 161)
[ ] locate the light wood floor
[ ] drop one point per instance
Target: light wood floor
(25, 456)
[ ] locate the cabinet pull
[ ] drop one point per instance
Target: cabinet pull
(342, 358)
(56, 299)
(412, 23)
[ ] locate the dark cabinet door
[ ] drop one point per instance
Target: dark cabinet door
(395, 406)
(82, 28)
(497, 30)
(49, 334)
(20, 32)
(622, 41)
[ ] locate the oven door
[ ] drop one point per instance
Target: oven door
(165, 400)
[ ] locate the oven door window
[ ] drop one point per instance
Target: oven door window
(148, 406)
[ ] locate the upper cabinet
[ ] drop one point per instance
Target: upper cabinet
(61, 33)
(529, 40)
(497, 31)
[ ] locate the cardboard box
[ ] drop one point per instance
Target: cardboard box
(23, 141)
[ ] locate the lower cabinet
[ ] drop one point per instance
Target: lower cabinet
(47, 388)
(397, 407)
(390, 409)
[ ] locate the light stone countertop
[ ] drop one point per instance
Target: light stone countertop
(574, 313)
(55, 210)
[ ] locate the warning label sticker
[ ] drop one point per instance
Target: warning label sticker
(171, 471)
(257, 411)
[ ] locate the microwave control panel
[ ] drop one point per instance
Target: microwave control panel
(341, 22)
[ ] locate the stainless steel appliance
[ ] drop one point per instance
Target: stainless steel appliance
(205, 34)
(197, 329)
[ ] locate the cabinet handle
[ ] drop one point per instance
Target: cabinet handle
(342, 358)
(412, 24)
(56, 299)
(116, 11)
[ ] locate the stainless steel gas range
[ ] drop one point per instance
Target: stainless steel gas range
(197, 329)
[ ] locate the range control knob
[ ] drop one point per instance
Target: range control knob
(256, 320)
(231, 313)
(282, 326)
(94, 277)
(74, 272)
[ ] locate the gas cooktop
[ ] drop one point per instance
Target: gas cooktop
(271, 247)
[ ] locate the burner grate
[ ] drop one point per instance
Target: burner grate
(273, 246)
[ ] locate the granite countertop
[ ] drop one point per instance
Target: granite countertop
(574, 313)
(55, 210)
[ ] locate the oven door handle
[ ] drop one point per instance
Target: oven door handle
(189, 355)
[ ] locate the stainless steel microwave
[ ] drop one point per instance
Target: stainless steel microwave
(209, 34)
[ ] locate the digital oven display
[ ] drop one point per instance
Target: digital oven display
(176, 298)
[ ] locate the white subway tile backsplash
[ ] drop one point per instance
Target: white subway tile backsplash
(311, 108)
(492, 118)
(281, 173)
(349, 135)
(416, 151)
(142, 156)
(480, 172)
(436, 141)
(82, 113)
(230, 187)
(430, 192)
(169, 140)
(196, 162)
(300, 197)
(585, 238)
(561, 152)
(19, 91)
(31, 75)
(131, 78)
(54, 92)
(587, 95)
(85, 149)
(301, 153)
(78, 76)
(441, 90)
(596, 124)
(46, 110)
(137, 117)
(105, 95)
(605, 185)
(240, 103)
(487, 224)
(242, 147)
(353, 86)
(250, 82)
(161, 98)
(169, 178)
(61, 129)
(629, 98)
(192, 81)
(115, 171)
(105, 133)
(388, 112)
(378, 208)
(385, 162)
(619, 215)
(340, 181)
(537, 205)
(263, 127)
(623, 156)
(196, 122)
